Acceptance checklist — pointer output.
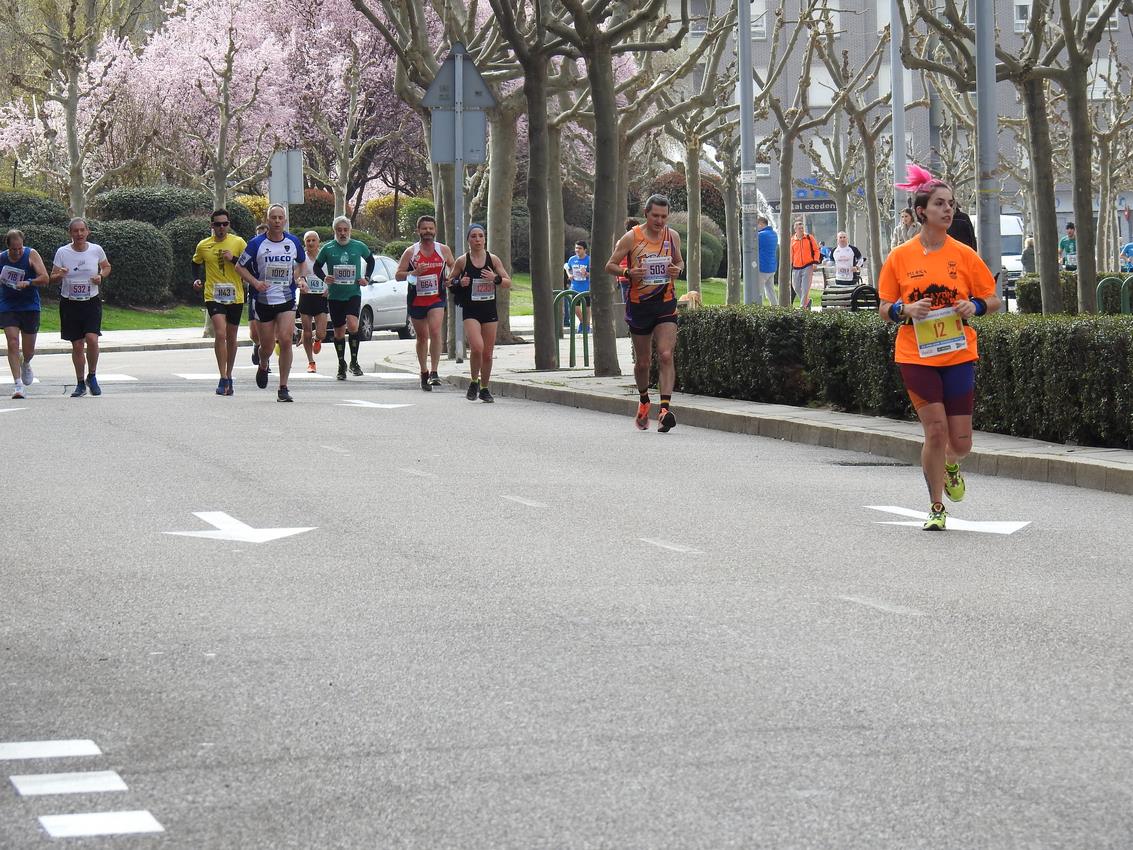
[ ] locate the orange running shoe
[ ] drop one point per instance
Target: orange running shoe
(642, 418)
(311, 366)
(318, 346)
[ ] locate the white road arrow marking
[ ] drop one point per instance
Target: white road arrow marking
(357, 402)
(523, 501)
(664, 544)
(883, 606)
(990, 527)
(11, 409)
(229, 528)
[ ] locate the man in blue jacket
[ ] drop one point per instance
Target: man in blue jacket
(768, 260)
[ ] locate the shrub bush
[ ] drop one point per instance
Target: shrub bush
(21, 208)
(409, 210)
(672, 184)
(317, 210)
(572, 234)
(1028, 386)
(156, 205)
(45, 238)
(396, 248)
(257, 205)
(373, 242)
(243, 220)
(711, 249)
(141, 260)
(377, 215)
(183, 234)
(1030, 298)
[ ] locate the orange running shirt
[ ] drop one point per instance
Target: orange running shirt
(954, 273)
(643, 291)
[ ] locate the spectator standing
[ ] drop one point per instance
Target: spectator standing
(1126, 257)
(804, 257)
(1028, 258)
(1068, 249)
(907, 227)
(768, 241)
(961, 228)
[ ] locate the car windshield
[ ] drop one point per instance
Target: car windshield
(1012, 244)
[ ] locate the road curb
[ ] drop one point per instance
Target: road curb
(120, 347)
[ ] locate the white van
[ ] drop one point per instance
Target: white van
(1011, 245)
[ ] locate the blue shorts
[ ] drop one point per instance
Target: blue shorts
(952, 386)
(421, 312)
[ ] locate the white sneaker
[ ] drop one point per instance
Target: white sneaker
(26, 373)
(19, 391)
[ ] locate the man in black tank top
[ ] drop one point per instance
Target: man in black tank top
(476, 276)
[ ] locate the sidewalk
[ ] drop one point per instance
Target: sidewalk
(993, 454)
(515, 376)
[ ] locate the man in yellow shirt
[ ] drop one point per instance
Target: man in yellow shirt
(214, 270)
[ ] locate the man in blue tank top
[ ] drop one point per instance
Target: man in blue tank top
(21, 274)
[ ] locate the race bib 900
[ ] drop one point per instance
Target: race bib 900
(345, 274)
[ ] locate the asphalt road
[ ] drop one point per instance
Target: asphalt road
(524, 626)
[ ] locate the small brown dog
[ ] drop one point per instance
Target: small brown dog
(691, 300)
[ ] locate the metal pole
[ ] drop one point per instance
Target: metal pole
(748, 191)
(987, 136)
(897, 88)
(458, 191)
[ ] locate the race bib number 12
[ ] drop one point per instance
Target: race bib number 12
(940, 332)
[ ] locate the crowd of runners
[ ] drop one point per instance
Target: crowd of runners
(931, 285)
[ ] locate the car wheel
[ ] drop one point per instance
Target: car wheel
(366, 325)
(407, 332)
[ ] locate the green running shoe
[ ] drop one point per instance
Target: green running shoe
(937, 516)
(954, 487)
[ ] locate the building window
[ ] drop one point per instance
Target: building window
(1022, 16)
(883, 15)
(1095, 11)
(698, 17)
(759, 20)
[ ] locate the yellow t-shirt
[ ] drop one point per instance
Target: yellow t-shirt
(946, 276)
(221, 271)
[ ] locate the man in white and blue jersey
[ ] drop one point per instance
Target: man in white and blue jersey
(273, 265)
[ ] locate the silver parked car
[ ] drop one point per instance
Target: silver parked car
(383, 304)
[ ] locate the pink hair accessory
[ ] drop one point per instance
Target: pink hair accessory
(918, 178)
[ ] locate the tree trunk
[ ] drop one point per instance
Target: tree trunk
(692, 187)
(1033, 94)
(1106, 239)
(555, 220)
(786, 232)
(535, 91)
(76, 187)
(501, 190)
(1081, 161)
(735, 293)
(878, 246)
(608, 205)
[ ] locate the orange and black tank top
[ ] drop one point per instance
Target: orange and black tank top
(655, 257)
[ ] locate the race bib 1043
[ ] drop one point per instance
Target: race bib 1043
(940, 332)
(223, 293)
(11, 276)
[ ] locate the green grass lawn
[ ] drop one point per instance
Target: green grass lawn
(122, 319)
(713, 291)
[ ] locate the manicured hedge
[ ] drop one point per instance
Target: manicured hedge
(409, 210)
(396, 248)
(1027, 383)
(183, 234)
(20, 208)
(317, 210)
(243, 220)
(1030, 298)
(156, 205)
(141, 260)
(45, 238)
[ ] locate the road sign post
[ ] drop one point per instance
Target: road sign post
(285, 183)
(457, 97)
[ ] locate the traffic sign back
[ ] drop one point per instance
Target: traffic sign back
(441, 93)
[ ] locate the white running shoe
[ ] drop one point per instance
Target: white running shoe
(19, 391)
(26, 374)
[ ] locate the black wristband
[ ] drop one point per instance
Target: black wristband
(981, 305)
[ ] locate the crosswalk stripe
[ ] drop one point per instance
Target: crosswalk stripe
(87, 782)
(100, 823)
(48, 749)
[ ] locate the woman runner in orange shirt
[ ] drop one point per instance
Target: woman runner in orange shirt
(932, 285)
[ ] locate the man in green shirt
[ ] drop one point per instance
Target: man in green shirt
(1068, 249)
(340, 264)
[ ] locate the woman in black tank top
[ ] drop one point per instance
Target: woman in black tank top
(476, 278)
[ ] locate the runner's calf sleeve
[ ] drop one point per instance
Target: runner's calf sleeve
(340, 348)
(353, 347)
